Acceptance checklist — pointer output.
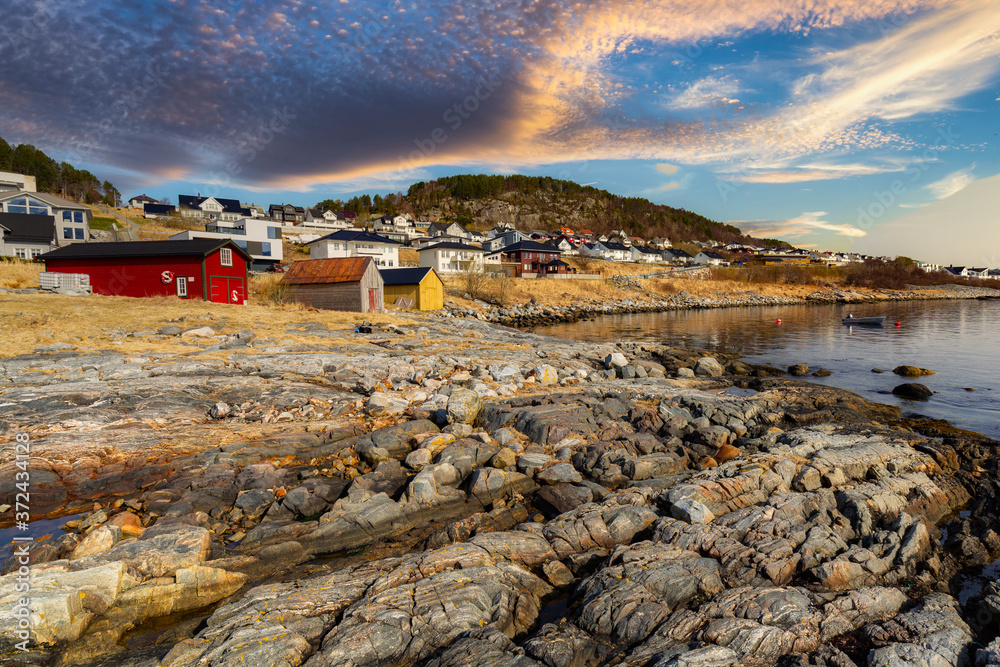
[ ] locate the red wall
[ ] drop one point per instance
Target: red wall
(141, 276)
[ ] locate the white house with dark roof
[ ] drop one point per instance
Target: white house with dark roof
(211, 208)
(356, 243)
(26, 236)
(450, 258)
(72, 220)
(646, 255)
(709, 258)
(140, 201)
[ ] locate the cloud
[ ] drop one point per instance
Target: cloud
(668, 169)
(708, 92)
(952, 183)
(806, 224)
(673, 185)
(812, 171)
(464, 84)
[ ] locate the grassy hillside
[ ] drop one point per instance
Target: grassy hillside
(546, 203)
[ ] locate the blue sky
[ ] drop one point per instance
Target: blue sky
(817, 121)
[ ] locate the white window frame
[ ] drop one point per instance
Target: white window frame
(182, 286)
(226, 256)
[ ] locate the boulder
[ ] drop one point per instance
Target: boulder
(546, 375)
(709, 367)
(691, 511)
(463, 406)
(219, 411)
(560, 473)
(798, 369)
(910, 371)
(912, 391)
(381, 404)
(615, 360)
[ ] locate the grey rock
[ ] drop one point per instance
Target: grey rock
(709, 367)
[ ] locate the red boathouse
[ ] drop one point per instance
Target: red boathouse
(207, 269)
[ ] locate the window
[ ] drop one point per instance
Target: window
(265, 249)
(241, 244)
(67, 232)
(27, 205)
(274, 232)
(182, 286)
(34, 252)
(390, 262)
(21, 253)
(73, 216)
(226, 257)
(78, 234)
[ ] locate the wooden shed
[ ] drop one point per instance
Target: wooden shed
(351, 284)
(421, 285)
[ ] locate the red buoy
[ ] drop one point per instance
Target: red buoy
(898, 324)
(777, 321)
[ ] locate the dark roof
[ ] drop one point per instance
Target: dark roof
(145, 198)
(411, 276)
(159, 208)
(646, 251)
(677, 252)
(713, 255)
(326, 271)
(448, 245)
(28, 228)
(176, 248)
(316, 213)
(530, 246)
(556, 262)
(617, 246)
(228, 205)
(349, 235)
(443, 226)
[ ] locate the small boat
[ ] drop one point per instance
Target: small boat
(872, 321)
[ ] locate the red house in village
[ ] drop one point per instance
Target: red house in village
(532, 257)
(207, 269)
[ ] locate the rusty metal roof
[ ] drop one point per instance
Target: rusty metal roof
(326, 271)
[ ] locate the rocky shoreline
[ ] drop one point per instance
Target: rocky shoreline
(534, 314)
(455, 492)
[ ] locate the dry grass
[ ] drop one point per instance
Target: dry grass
(408, 257)
(31, 320)
(20, 274)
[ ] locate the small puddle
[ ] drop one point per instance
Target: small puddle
(39, 531)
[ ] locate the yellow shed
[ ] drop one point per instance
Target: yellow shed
(421, 285)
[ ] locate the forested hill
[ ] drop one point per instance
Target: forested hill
(59, 178)
(542, 202)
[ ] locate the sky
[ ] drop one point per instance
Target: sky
(832, 124)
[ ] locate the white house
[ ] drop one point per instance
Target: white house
(398, 228)
(261, 239)
(675, 256)
(425, 241)
(72, 220)
(646, 255)
(616, 252)
(211, 208)
(710, 258)
(140, 201)
(9, 181)
(26, 236)
(348, 243)
(447, 229)
(451, 258)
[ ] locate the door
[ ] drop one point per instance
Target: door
(182, 287)
(227, 290)
(372, 299)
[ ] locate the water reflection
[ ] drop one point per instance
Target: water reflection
(956, 339)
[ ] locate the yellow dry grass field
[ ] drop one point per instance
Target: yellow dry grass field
(20, 274)
(408, 257)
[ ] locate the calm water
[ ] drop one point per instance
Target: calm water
(956, 339)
